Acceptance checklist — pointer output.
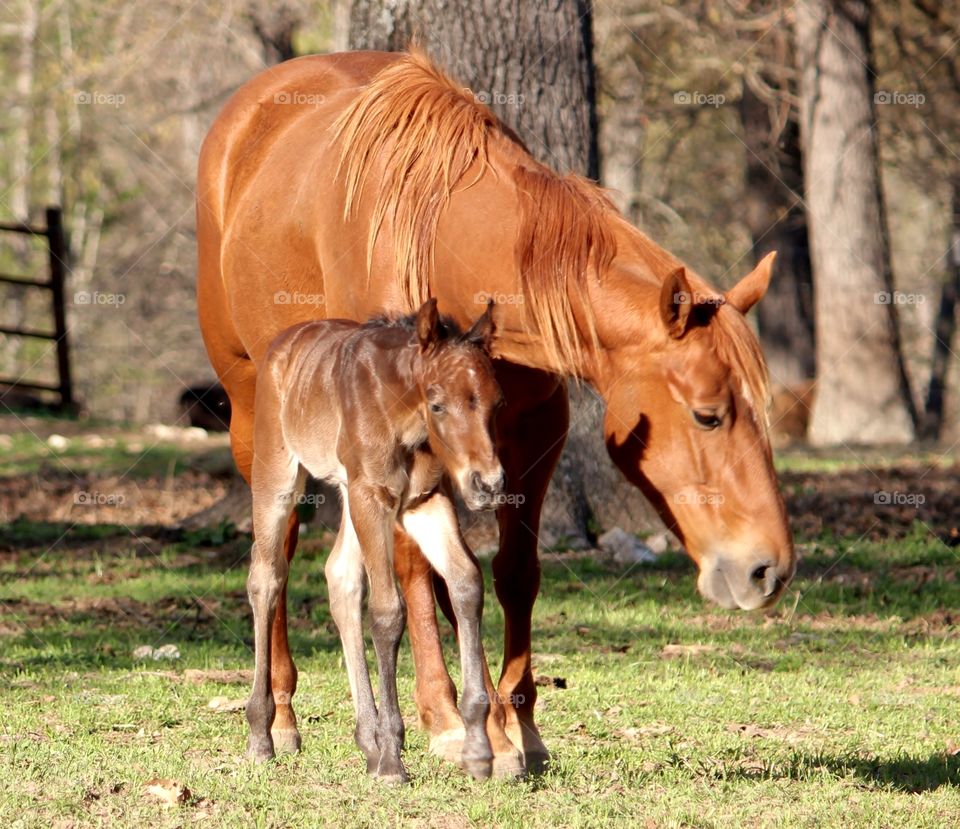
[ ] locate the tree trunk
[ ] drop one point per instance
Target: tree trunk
(862, 390)
(777, 221)
(531, 63)
(946, 325)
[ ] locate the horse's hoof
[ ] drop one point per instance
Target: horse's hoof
(508, 765)
(478, 769)
(536, 762)
(286, 740)
(448, 745)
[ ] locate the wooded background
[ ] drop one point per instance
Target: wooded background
(825, 129)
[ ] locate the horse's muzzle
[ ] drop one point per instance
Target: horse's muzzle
(485, 492)
(748, 585)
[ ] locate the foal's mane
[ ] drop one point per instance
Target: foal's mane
(431, 131)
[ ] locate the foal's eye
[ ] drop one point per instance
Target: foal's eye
(436, 408)
(707, 419)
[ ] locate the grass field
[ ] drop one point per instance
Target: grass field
(837, 709)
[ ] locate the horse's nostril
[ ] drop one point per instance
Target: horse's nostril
(765, 578)
(476, 481)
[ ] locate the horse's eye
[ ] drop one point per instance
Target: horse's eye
(707, 419)
(436, 408)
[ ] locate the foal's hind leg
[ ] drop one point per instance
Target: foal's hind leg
(374, 522)
(345, 582)
(275, 482)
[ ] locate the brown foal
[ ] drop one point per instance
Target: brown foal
(383, 410)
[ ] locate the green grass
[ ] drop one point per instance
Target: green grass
(835, 711)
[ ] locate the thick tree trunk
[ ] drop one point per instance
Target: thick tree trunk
(777, 221)
(862, 390)
(530, 62)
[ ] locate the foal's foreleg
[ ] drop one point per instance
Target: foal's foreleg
(434, 527)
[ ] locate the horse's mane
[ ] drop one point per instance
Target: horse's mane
(432, 132)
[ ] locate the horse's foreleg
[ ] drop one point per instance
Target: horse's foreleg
(531, 444)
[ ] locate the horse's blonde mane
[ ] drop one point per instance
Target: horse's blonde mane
(426, 132)
(430, 132)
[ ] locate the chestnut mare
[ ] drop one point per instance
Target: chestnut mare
(347, 184)
(382, 410)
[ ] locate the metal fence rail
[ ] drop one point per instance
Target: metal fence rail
(57, 247)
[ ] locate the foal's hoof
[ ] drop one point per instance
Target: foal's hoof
(392, 776)
(286, 740)
(478, 769)
(259, 749)
(508, 765)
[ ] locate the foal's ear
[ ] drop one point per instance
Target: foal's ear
(482, 331)
(676, 302)
(428, 324)
(751, 289)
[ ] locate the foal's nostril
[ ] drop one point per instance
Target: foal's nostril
(476, 481)
(765, 579)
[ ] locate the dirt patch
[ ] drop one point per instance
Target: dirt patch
(876, 502)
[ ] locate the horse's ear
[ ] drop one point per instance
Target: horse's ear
(482, 331)
(676, 302)
(751, 289)
(428, 324)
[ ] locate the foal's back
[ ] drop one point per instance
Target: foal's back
(335, 386)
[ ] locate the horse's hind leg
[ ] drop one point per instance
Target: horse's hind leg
(345, 582)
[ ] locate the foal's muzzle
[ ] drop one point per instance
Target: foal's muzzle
(485, 491)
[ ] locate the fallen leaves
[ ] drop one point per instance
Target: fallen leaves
(166, 791)
(678, 651)
(145, 652)
(781, 733)
(226, 705)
